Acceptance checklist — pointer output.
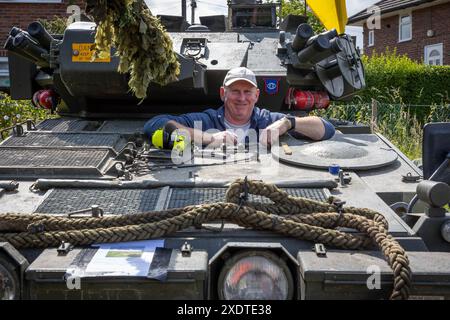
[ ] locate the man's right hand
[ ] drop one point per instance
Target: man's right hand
(218, 138)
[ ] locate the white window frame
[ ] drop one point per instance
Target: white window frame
(31, 1)
(4, 71)
(427, 49)
(371, 38)
(400, 27)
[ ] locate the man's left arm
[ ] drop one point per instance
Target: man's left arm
(311, 127)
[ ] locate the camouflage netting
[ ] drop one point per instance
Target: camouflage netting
(144, 47)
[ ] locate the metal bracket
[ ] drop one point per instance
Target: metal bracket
(320, 250)
(244, 198)
(18, 130)
(339, 204)
(347, 178)
(9, 186)
(129, 149)
(64, 248)
(186, 249)
(343, 178)
(410, 178)
(96, 211)
(122, 172)
(31, 126)
(340, 209)
(194, 48)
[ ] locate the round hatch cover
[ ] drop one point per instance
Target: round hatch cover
(350, 152)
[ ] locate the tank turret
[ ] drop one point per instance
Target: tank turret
(284, 60)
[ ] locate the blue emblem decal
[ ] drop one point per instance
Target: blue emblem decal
(271, 86)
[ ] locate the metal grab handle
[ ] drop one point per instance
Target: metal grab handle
(96, 211)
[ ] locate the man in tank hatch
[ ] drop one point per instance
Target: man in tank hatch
(233, 122)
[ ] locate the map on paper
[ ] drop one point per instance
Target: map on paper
(124, 258)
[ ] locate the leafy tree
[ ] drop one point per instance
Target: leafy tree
(297, 7)
(57, 25)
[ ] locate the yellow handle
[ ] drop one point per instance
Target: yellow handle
(332, 13)
(158, 139)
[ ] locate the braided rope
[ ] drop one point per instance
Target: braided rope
(22, 222)
(287, 204)
(300, 218)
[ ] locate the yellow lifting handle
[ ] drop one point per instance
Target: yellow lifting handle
(179, 144)
(175, 141)
(332, 13)
(158, 139)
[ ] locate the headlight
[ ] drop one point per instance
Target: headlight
(255, 275)
(9, 282)
(445, 230)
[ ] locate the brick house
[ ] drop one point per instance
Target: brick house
(20, 13)
(417, 28)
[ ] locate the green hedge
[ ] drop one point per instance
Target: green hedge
(391, 77)
(13, 111)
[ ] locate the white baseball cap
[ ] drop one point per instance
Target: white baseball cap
(240, 73)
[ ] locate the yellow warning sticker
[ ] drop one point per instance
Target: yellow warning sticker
(82, 52)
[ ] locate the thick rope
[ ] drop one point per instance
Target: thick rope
(300, 218)
(286, 204)
(13, 222)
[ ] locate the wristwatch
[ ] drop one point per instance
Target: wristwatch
(291, 120)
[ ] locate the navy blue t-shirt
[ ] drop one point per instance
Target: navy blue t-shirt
(214, 119)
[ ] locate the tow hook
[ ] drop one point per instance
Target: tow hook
(186, 249)
(64, 248)
(320, 250)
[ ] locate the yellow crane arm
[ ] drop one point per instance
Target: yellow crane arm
(332, 13)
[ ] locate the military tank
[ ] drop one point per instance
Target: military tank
(77, 192)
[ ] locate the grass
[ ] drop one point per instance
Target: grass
(395, 120)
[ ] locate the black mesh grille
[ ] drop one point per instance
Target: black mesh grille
(314, 194)
(129, 201)
(114, 201)
(182, 197)
(123, 126)
(61, 125)
(61, 139)
(40, 158)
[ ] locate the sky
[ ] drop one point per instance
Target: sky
(355, 6)
(216, 7)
